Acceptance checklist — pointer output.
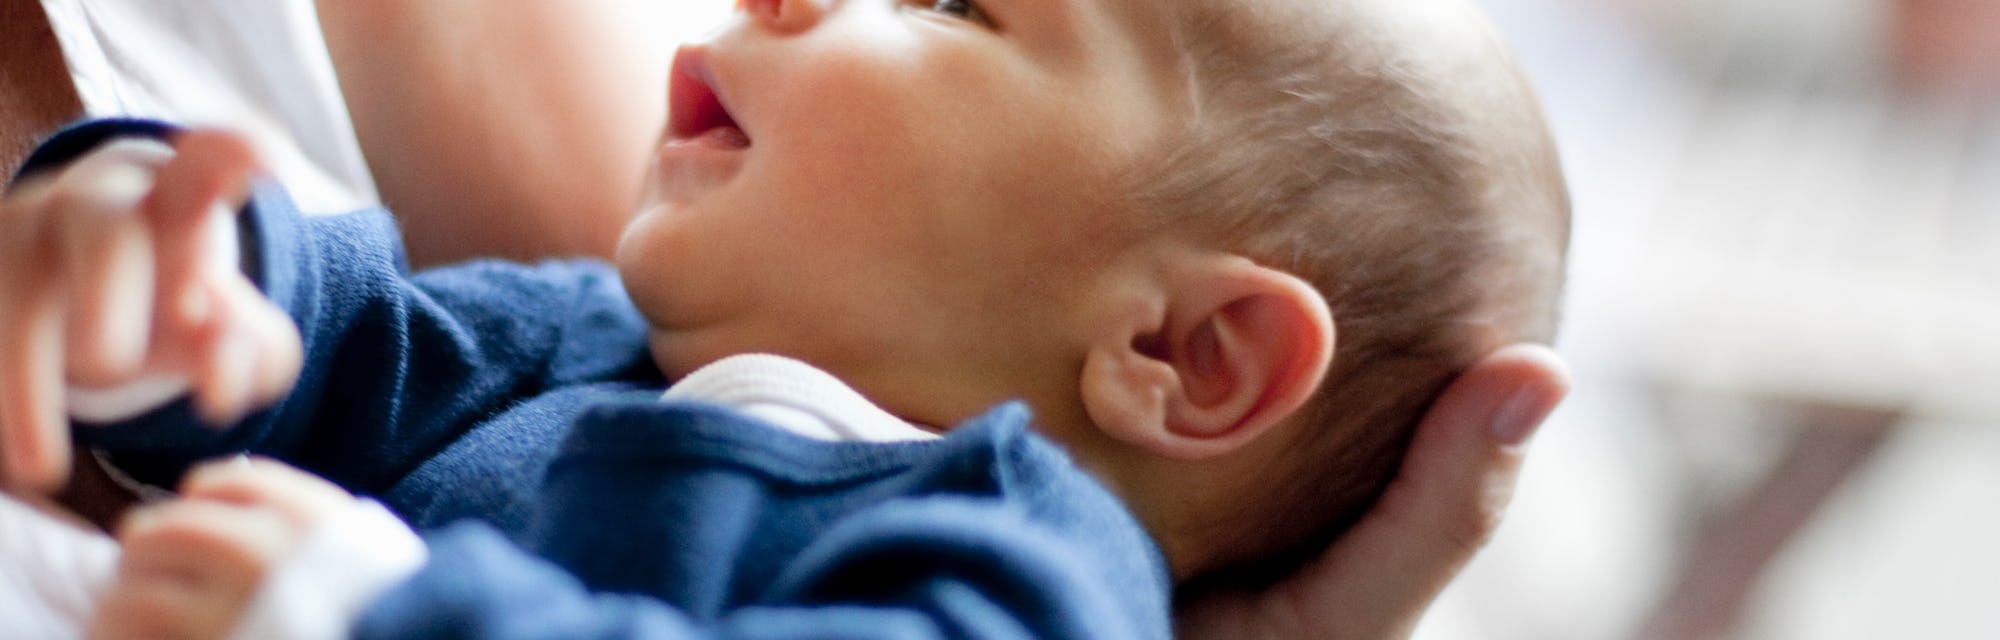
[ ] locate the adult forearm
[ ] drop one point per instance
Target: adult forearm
(515, 129)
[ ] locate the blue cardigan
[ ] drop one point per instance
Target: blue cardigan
(511, 412)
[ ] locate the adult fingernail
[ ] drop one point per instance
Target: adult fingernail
(1522, 414)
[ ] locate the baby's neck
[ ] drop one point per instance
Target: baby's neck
(1175, 500)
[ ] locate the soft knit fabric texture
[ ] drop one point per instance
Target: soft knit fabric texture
(51, 572)
(519, 402)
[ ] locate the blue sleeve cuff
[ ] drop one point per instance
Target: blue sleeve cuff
(269, 232)
(75, 140)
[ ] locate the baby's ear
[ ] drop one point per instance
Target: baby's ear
(1238, 347)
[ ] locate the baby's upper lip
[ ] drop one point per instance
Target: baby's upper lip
(695, 106)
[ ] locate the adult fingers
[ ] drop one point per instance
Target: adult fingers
(1445, 502)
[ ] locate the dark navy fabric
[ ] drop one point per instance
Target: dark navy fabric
(684, 520)
(511, 412)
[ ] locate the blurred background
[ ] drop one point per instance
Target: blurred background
(1784, 319)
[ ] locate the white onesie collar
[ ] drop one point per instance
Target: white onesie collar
(793, 395)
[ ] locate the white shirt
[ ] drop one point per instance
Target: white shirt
(259, 66)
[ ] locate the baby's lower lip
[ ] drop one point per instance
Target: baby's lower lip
(691, 166)
(725, 138)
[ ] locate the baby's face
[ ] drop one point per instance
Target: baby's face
(866, 183)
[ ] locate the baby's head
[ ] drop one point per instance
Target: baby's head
(1227, 250)
(1391, 154)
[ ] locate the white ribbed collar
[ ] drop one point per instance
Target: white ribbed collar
(794, 395)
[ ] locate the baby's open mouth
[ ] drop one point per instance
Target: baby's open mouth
(696, 113)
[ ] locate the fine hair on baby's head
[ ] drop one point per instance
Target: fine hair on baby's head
(1391, 154)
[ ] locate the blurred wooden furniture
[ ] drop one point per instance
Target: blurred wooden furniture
(1813, 219)
(1736, 544)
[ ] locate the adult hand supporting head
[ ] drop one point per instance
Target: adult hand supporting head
(1378, 579)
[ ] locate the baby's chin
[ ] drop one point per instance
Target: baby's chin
(673, 354)
(680, 351)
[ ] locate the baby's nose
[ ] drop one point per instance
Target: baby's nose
(784, 16)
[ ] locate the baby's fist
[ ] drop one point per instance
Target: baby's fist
(192, 566)
(118, 272)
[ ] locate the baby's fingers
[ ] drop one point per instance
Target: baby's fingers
(189, 569)
(110, 302)
(305, 500)
(107, 269)
(100, 255)
(149, 608)
(250, 352)
(73, 275)
(208, 165)
(280, 352)
(209, 176)
(34, 435)
(34, 438)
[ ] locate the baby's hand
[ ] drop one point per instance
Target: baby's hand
(108, 276)
(192, 566)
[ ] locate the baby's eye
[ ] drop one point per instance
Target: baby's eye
(963, 9)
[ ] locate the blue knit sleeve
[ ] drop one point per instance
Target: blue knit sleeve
(397, 366)
(919, 573)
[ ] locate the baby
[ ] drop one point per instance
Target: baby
(1225, 251)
